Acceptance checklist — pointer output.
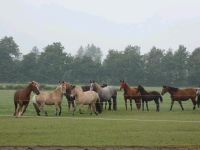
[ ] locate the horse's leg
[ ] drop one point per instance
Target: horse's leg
(114, 103)
(15, 103)
(172, 103)
(125, 103)
(19, 111)
(80, 106)
(25, 106)
(131, 104)
(147, 105)
(105, 105)
(157, 105)
(142, 105)
(36, 109)
(93, 109)
(110, 103)
(194, 103)
(60, 108)
(181, 105)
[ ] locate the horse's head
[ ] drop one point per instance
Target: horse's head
(34, 87)
(122, 84)
(73, 92)
(140, 88)
(93, 86)
(66, 87)
(164, 90)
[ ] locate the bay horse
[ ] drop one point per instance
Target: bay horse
(149, 96)
(89, 98)
(50, 98)
(70, 100)
(130, 93)
(22, 97)
(106, 94)
(180, 95)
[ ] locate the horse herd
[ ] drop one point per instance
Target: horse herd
(95, 95)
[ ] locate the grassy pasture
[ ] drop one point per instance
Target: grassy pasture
(121, 128)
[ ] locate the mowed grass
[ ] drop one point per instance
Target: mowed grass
(121, 128)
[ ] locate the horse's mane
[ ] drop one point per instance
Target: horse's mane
(171, 88)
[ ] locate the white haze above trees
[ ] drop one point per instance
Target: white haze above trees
(105, 23)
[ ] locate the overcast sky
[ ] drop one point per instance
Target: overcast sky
(109, 24)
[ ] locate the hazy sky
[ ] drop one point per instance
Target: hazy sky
(109, 24)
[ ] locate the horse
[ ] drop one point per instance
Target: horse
(180, 95)
(130, 93)
(70, 100)
(50, 98)
(107, 93)
(149, 96)
(198, 97)
(90, 98)
(22, 97)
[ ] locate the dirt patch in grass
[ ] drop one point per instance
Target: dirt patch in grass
(96, 148)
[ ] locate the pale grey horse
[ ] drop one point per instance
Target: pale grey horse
(106, 94)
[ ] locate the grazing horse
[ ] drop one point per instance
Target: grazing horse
(149, 96)
(90, 98)
(50, 98)
(180, 95)
(70, 100)
(106, 94)
(130, 93)
(22, 97)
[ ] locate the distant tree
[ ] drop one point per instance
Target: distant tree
(80, 52)
(93, 52)
(9, 54)
(194, 67)
(181, 66)
(167, 69)
(51, 63)
(29, 66)
(153, 66)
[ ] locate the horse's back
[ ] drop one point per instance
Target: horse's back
(187, 91)
(108, 92)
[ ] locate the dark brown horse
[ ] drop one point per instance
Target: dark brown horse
(130, 93)
(22, 97)
(149, 96)
(180, 95)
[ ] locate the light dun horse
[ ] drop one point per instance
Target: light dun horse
(50, 98)
(180, 95)
(22, 97)
(90, 98)
(106, 94)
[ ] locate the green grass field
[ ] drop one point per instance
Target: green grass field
(122, 128)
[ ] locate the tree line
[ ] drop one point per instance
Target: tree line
(156, 68)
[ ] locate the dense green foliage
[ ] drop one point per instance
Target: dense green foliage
(120, 128)
(157, 67)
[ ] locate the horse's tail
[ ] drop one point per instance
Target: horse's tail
(161, 99)
(98, 104)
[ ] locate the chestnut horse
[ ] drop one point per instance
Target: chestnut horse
(50, 98)
(130, 93)
(22, 97)
(149, 96)
(180, 95)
